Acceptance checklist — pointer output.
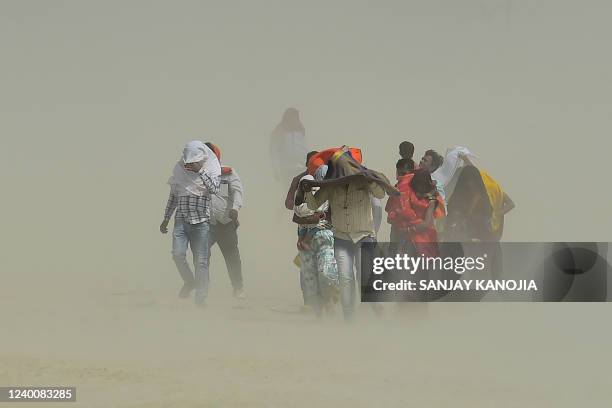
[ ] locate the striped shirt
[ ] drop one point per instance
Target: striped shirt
(191, 208)
(351, 208)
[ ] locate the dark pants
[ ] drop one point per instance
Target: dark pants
(225, 235)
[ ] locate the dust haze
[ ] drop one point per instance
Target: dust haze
(98, 99)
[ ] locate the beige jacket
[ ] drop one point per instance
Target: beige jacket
(351, 208)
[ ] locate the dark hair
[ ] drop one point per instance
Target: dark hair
(404, 166)
(406, 150)
(421, 181)
(436, 158)
(309, 155)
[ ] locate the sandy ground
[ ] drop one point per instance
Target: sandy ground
(105, 318)
(147, 348)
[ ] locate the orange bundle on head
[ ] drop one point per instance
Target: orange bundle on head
(323, 157)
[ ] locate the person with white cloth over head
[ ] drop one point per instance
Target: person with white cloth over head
(195, 178)
(446, 175)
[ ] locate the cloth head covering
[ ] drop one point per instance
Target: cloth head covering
(447, 173)
(478, 200)
(193, 152)
(188, 182)
(217, 151)
(344, 169)
(321, 158)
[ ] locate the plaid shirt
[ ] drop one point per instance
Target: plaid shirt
(191, 208)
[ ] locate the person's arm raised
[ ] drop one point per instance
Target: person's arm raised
(290, 198)
(212, 184)
(465, 159)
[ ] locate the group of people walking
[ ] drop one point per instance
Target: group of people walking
(336, 203)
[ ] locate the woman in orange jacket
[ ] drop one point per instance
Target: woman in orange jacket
(414, 211)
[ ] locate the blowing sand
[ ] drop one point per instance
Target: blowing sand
(98, 99)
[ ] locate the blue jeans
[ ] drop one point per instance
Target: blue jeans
(196, 236)
(348, 256)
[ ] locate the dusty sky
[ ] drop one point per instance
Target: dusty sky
(98, 98)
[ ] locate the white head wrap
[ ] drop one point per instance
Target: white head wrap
(187, 182)
(447, 174)
(194, 152)
(444, 174)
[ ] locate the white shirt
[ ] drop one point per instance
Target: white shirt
(229, 197)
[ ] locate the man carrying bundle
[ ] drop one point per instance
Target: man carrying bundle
(347, 186)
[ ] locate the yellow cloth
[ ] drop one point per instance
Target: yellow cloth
(496, 198)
